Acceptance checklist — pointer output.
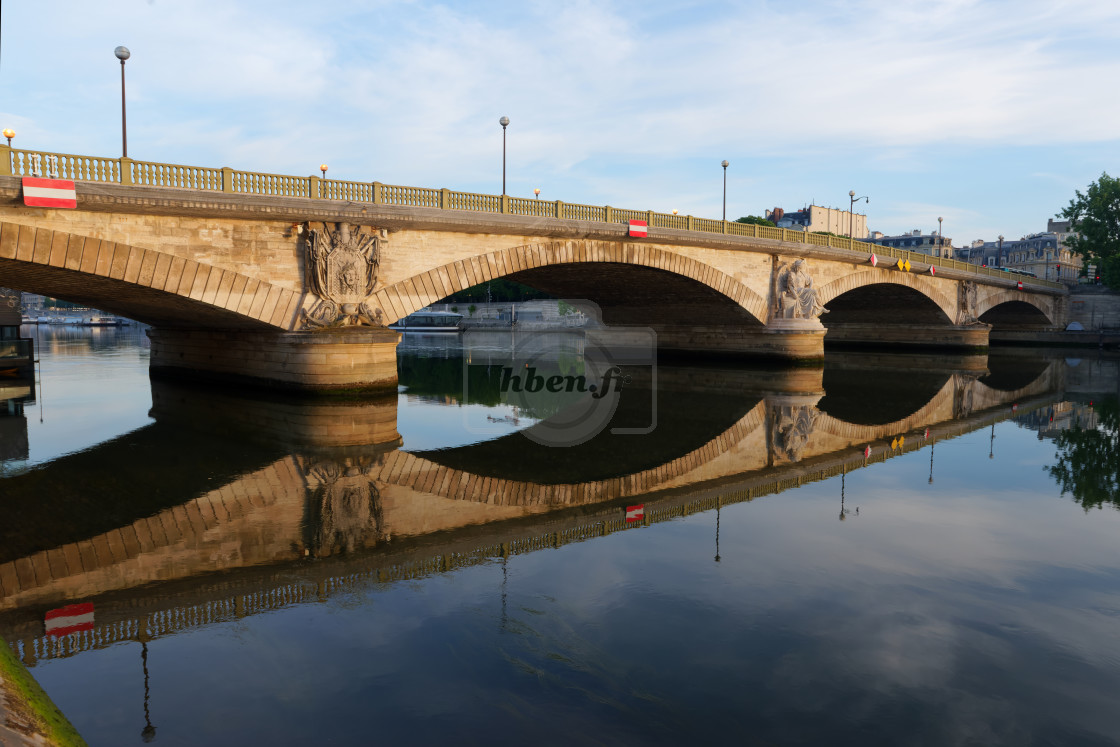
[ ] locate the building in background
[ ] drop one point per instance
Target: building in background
(815, 218)
(924, 243)
(1044, 254)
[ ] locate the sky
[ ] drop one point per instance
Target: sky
(987, 113)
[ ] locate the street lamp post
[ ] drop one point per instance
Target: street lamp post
(537, 192)
(941, 240)
(999, 253)
(852, 200)
(123, 54)
(504, 122)
(725, 164)
(9, 133)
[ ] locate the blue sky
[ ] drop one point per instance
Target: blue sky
(987, 113)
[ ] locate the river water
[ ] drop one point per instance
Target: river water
(891, 550)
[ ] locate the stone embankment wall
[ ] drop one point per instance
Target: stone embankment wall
(1095, 307)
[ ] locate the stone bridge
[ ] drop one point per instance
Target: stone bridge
(291, 280)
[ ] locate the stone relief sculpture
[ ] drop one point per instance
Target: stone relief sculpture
(344, 511)
(342, 269)
(790, 429)
(966, 301)
(794, 294)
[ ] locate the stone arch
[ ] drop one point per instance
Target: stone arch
(411, 294)
(933, 411)
(150, 286)
(941, 292)
(1007, 295)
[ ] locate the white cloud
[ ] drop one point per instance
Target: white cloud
(601, 95)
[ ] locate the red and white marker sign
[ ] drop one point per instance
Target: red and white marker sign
(867, 452)
(874, 260)
(639, 228)
(636, 513)
(932, 270)
(52, 193)
(1019, 284)
(73, 618)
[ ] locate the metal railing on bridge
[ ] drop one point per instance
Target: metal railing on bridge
(128, 171)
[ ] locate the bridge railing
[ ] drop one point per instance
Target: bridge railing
(127, 171)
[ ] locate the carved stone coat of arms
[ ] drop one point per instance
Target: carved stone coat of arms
(342, 272)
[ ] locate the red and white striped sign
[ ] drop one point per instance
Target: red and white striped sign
(636, 513)
(639, 228)
(52, 193)
(874, 260)
(73, 618)
(932, 270)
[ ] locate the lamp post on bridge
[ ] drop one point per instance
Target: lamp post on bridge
(999, 253)
(537, 192)
(504, 122)
(941, 240)
(852, 200)
(725, 164)
(123, 54)
(9, 133)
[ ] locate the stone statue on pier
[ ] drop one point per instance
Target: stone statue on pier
(341, 271)
(966, 302)
(794, 294)
(964, 388)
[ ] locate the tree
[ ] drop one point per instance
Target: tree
(756, 220)
(1095, 216)
(1088, 466)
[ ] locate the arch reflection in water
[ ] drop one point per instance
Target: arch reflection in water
(278, 488)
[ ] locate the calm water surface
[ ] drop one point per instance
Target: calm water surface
(896, 550)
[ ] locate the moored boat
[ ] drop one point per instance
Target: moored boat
(429, 321)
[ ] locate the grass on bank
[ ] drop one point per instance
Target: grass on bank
(29, 706)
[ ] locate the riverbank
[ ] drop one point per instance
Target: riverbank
(27, 714)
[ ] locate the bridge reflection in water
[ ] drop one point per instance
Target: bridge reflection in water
(239, 494)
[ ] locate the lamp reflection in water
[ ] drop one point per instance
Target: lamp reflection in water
(148, 733)
(719, 504)
(992, 442)
(931, 463)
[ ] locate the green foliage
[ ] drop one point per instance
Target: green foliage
(756, 220)
(830, 233)
(1095, 216)
(471, 309)
(27, 699)
(498, 291)
(565, 308)
(1088, 466)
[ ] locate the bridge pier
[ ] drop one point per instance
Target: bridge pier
(331, 360)
(966, 337)
(784, 339)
